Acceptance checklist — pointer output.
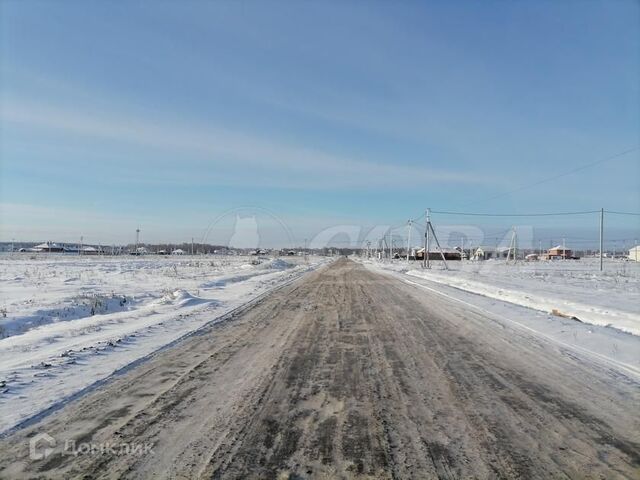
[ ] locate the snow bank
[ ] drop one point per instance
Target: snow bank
(67, 322)
(571, 288)
(280, 264)
(71, 308)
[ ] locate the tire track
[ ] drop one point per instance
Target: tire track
(352, 374)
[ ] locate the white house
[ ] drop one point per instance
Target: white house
(485, 253)
(634, 253)
(177, 251)
(48, 247)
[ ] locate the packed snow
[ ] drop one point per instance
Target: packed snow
(68, 321)
(482, 287)
(574, 289)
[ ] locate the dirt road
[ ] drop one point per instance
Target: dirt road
(350, 374)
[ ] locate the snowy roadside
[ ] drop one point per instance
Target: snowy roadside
(573, 289)
(71, 322)
(607, 346)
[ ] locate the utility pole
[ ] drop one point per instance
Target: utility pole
(513, 246)
(425, 263)
(426, 250)
(462, 253)
(601, 234)
(80, 249)
(390, 246)
(137, 240)
(430, 231)
(385, 251)
(564, 249)
(408, 239)
(191, 245)
(428, 239)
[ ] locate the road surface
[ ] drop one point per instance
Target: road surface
(348, 374)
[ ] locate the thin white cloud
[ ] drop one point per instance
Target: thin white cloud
(298, 166)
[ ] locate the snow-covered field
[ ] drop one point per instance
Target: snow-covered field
(67, 322)
(572, 288)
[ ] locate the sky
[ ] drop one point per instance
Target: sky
(182, 118)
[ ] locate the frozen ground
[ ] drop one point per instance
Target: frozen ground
(355, 374)
(572, 288)
(610, 346)
(66, 322)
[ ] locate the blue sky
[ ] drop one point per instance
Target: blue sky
(166, 115)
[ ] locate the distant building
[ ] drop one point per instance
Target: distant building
(486, 253)
(559, 252)
(634, 254)
(177, 251)
(49, 247)
(449, 254)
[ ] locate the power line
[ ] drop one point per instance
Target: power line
(468, 214)
(560, 175)
(623, 213)
(404, 224)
